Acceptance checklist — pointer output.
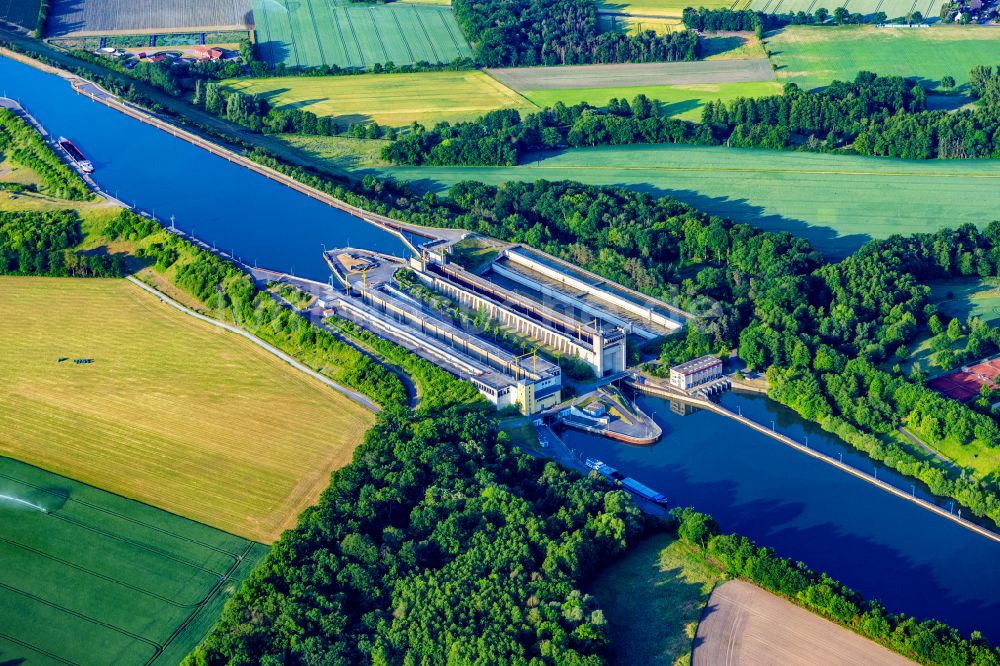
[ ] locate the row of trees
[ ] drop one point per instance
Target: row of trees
(25, 146)
(500, 137)
(748, 20)
(254, 112)
(926, 642)
(872, 115)
(520, 33)
(44, 242)
(43, 16)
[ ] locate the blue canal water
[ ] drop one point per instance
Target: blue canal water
(223, 204)
(879, 544)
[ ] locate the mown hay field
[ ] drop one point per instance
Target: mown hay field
(815, 56)
(172, 411)
(20, 12)
(389, 99)
(93, 578)
(837, 202)
(309, 33)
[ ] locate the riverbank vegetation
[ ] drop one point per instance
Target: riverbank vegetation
(48, 243)
(22, 144)
(228, 294)
(926, 642)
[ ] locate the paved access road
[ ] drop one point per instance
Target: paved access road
(745, 625)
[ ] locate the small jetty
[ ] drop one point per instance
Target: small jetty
(608, 413)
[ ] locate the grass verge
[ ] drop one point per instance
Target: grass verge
(652, 598)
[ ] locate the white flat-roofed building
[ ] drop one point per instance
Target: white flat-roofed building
(695, 372)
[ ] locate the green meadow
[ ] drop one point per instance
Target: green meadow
(93, 578)
(969, 297)
(837, 202)
(814, 56)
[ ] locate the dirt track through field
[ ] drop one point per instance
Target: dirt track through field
(744, 624)
(641, 74)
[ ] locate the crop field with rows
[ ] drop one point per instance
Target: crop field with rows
(91, 577)
(309, 33)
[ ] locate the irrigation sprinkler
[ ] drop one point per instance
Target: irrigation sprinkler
(841, 456)
(772, 425)
(807, 441)
(913, 490)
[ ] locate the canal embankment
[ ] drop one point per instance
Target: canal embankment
(652, 386)
(401, 230)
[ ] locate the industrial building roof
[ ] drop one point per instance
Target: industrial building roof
(696, 364)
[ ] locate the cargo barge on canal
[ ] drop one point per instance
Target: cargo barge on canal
(626, 482)
(75, 155)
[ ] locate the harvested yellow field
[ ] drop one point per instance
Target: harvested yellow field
(748, 625)
(389, 99)
(171, 411)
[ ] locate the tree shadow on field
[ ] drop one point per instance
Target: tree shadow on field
(353, 119)
(133, 264)
(677, 108)
(65, 17)
(17, 661)
(826, 239)
(274, 52)
(711, 46)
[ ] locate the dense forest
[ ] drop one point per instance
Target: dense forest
(436, 545)
(926, 642)
(44, 242)
(23, 145)
(884, 116)
(522, 33)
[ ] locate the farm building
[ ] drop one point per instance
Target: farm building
(207, 53)
(695, 372)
